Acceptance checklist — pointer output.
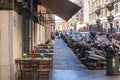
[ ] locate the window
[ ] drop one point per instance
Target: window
(101, 13)
(105, 12)
(77, 15)
(117, 26)
(116, 8)
(105, 27)
(81, 16)
(81, 11)
(91, 18)
(95, 17)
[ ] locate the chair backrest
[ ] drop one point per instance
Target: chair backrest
(44, 64)
(29, 55)
(48, 55)
(43, 51)
(34, 64)
(25, 64)
(37, 55)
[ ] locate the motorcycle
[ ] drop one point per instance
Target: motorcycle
(95, 59)
(59, 36)
(80, 51)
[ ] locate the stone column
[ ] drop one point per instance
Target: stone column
(36, 34)
(48, 30)
(10, 43)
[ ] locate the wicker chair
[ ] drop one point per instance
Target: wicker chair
(25, 70)
(44, 70)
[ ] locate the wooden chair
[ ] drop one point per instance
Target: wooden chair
(46, 55)
(29, 55)
(25, 70)
(38, 51)
(34, 65)
(37, 55)
(43, 51)
(49, 55)
(45, 47)
(44, 70)
(51, 51)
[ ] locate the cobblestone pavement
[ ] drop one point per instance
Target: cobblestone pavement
(67, 66)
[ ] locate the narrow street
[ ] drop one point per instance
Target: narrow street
(68, 67)
(28, 29)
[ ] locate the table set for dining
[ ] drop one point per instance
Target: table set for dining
(34, 66)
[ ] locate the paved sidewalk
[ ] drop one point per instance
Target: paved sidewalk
(64, 59)
(67, 66)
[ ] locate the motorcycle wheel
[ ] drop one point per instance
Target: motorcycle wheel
(90, 67)
(76, 51)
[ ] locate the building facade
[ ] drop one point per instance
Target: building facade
(98, 10)
(82, 16)
(78, 16)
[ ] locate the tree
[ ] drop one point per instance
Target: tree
(74, 24)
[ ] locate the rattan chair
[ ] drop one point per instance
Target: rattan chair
(44, 70)
(25, 70)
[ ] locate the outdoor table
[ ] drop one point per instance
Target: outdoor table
(17, 61)
(44, 49)
(37, 55)
(31, 60)
(49, 55)
(45, 46)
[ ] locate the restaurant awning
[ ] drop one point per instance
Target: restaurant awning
(62, 8)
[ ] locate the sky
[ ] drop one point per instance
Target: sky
(71, 0)
(58, 20)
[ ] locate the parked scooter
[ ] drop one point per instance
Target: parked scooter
(94, 59)
(59, 35)
(96, 56)
(81, 52)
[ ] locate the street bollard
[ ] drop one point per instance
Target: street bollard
(112, 59)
